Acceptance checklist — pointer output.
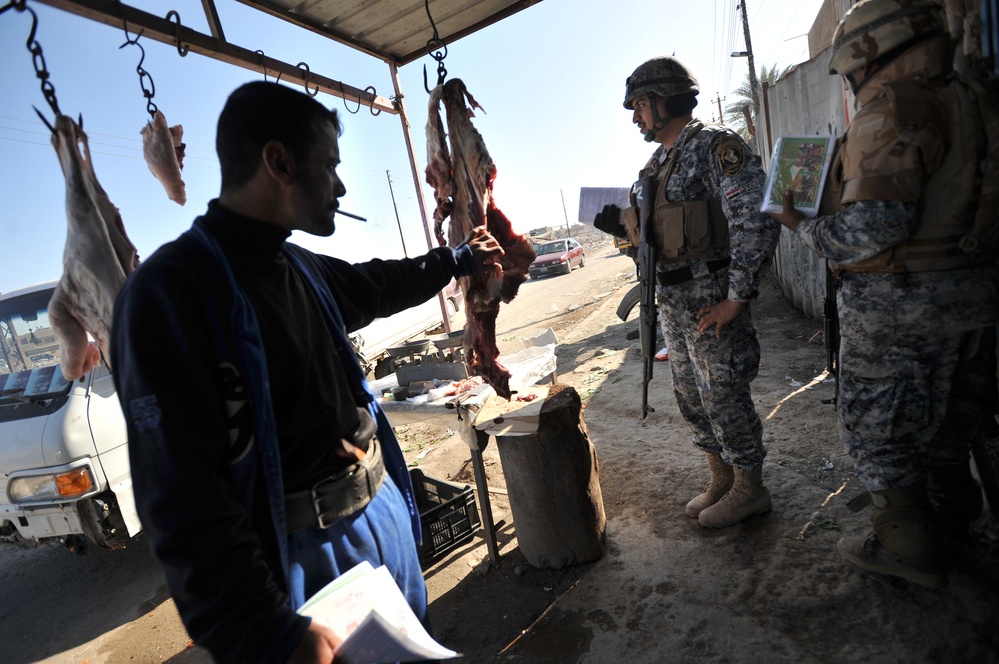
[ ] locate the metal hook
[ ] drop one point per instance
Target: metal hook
(149, 92)
(172, 14)
(374, 111)
(433, 43)
(343, 95)
(37, 58)
(305, 80)
(262, 65)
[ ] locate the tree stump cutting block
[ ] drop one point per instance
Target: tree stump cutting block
(553, 483)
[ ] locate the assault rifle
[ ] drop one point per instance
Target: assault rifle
(642, 195)
(830, 331)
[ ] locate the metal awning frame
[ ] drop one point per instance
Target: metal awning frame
(117, 14)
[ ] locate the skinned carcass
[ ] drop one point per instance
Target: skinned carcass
(463, 184)
(97, 258)
(164, 153)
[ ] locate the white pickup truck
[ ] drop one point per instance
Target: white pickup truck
(64, 472)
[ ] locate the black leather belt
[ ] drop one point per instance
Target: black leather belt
(337, 496)
(674, 277)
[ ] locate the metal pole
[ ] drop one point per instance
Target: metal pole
(417, 181)
(754, 85)
(565, 213)
(397, 222)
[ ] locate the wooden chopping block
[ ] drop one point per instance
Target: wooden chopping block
(553, 482)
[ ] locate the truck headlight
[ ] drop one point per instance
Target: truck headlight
(65, 485)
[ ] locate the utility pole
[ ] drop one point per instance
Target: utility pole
(754, 84)
(565, 213)
(397, 222)
(719, 99)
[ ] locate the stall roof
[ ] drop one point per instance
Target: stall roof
(394, 30)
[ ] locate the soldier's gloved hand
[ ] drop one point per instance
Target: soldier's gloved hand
(608, 220)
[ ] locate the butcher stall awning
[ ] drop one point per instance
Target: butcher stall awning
(396, 31)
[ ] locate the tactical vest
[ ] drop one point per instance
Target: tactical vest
(938, 127)
(684, 230)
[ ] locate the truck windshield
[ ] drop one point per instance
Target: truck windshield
(29, 350)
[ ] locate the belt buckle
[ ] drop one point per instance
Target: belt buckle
(325, 518)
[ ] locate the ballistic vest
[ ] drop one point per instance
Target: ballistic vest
(930, 142)
(684, 230)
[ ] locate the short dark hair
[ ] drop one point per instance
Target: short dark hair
(258, 112)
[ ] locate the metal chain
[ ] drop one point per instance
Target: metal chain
(147, 92)
(37, 58)
(433, 43)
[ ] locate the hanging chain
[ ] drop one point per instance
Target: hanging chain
(144, 76)
(37, 59)
(434, 46)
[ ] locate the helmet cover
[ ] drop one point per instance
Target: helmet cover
(872, 28)
(664, 76)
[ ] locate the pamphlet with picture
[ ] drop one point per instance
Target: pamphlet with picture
(801, 164)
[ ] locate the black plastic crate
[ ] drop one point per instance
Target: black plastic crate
(448, 515)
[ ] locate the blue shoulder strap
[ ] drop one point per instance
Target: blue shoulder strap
(395, 460)
(249, 349)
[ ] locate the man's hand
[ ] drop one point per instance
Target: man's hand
(316, 647)
(718, 315)
(789, 216)
(608, 220)
(485, 248)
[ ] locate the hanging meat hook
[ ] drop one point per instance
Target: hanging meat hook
(149, 92)
(37, 59)
(180, 49)
(343, 95)
(374, 111)
(305, 79)
(262, 65)
(433, 43)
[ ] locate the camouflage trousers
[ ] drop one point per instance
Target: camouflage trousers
(916, 384)
(711, 375)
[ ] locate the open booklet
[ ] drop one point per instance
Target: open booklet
(799, 163)
(366, 609)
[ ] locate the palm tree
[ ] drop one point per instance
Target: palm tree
(735, 113)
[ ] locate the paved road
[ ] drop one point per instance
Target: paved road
(110, 607)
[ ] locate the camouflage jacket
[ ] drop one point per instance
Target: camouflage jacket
(717, 163)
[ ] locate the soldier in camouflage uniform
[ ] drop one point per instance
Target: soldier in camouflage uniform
(917, 307)
(713, 245)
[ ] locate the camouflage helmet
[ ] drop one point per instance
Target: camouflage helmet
(664, 76)
(873, 28)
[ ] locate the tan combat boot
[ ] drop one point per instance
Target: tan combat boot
(906, 541)
(719, 484)
(747, 497)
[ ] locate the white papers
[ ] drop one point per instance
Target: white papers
(365, 607)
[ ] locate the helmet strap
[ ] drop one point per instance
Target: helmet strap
(658, 122)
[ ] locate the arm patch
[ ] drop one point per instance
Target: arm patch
(730, 153)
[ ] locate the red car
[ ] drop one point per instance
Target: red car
(557, 257)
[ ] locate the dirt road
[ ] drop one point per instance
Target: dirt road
(771, 589)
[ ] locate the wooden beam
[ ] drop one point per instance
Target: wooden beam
(159, 29)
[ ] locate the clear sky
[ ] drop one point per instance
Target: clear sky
(551, 80)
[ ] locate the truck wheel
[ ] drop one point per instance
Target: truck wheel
(452, 308)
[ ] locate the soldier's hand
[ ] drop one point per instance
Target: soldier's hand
(485, 247)
(789, 216)
(608, 220)
(718, 315)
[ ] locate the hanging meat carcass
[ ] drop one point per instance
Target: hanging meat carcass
(164, 153)
(97, 258)
(463, 189)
